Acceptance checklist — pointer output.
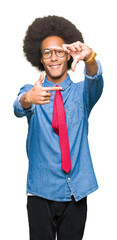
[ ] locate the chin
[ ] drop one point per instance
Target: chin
(56, 75)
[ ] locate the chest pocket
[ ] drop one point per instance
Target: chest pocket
(74, 112)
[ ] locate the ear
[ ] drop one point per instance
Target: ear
(41, 60)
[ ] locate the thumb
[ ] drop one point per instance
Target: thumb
(73, 66)
(40, 80)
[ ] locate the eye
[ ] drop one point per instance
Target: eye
(60, 53)
(47, 52)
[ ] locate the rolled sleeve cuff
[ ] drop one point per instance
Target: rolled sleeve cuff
(98, 74)
(19, 107)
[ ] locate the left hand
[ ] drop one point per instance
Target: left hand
(78, 50)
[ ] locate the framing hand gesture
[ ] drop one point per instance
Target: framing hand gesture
(78, 50)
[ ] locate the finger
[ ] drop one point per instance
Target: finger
(51, 88)
(69, 47)
(44, 102)
(77, 47)
(72, 48)
(65, 47)
(74, 63)
(80, 44)
(44, 98)
(40, 80)
(56, 48)
(47, 98)
(46, 94)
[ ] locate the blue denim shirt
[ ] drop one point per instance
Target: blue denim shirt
(45, 175)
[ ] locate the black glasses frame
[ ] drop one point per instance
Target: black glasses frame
(51, 51)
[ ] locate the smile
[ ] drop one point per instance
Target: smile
(54, 66)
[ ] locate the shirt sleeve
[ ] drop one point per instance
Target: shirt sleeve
(93, 87)
(19, 111)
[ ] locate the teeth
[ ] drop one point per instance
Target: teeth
(54, 66)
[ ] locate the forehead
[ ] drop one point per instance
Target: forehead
(52, 41)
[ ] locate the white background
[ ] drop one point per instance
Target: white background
(97, 21)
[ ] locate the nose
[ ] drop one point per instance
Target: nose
(53, 56)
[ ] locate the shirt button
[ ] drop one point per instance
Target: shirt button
(69, 178)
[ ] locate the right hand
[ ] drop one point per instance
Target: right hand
(39, 95)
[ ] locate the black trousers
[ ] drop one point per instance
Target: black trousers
(48, 218)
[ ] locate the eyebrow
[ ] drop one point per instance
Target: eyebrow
(54, 48)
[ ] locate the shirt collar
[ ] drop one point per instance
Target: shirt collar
(65, 84)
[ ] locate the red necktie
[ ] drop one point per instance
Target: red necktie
(60, 127)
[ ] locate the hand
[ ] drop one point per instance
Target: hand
(39, 95)
(78, 50)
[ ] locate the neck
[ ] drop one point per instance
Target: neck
(56, 80)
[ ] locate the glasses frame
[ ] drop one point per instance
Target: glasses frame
(51, 51)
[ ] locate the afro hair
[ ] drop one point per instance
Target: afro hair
(45, 27)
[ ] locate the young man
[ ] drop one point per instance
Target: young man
(60, 174)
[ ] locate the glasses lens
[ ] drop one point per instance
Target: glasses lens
(60, 53)
(46, 53)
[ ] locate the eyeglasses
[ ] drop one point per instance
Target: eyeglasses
(47, 53)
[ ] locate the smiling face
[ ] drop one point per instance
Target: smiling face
(55, 67)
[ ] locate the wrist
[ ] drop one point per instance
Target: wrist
(27, 98)
(25, 101)
(91, 57)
